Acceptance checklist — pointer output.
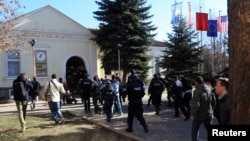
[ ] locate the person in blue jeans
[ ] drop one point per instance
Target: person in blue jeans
(201, 107)
(55, 89)
(117, 102)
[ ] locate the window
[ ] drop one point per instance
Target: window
(13, 64)
(157, 67)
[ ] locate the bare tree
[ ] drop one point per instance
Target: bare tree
(239, 60)
(9, 10)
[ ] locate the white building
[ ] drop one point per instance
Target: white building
(62, 46)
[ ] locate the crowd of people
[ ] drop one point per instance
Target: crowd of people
(196, 101)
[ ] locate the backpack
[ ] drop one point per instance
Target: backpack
(19, 91)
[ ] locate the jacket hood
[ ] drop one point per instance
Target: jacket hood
(19, 78)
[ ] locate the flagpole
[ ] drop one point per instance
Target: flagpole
(189, 15)
(212, 46)
(201, 66)
(201, 30)
(220, 45)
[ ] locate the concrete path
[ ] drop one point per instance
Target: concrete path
(163, 127)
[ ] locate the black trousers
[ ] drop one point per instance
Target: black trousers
(135, 110)
(178, 104)
(156, 101)
(186, 101)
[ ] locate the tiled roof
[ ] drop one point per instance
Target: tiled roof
(159, 43)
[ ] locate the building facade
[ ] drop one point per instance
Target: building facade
(62, 46)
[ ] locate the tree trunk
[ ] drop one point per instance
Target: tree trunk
(239, 60)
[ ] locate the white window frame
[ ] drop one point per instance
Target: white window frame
(18, 60)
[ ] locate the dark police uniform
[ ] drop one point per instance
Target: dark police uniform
(86, 86)
(135, 92)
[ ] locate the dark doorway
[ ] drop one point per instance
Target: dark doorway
(75, 67)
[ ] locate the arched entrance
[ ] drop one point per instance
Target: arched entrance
(75, 67)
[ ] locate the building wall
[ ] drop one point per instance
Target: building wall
(56, 34)
(61, 38)
(155, 52)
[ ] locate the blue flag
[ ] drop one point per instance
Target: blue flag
(212, 28)
(176, 13)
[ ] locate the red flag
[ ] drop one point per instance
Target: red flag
(189, 16)
(201, 21)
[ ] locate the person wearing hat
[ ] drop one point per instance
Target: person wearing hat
(201, 107)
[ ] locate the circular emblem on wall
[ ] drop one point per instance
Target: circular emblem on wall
(40, 56)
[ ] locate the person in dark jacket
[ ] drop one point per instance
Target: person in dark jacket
(187, 93)
(223, 101)
(34, 92)
(64, 96)
(155, 89)
(201, 107)
(177, 92)
(164, 85)
(169, 85)
(135, 93)
(86, 86)
(22, 101)
(96, 93)
(108, 98)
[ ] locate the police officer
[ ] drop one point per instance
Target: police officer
(135, 92)
(108, 97)
(86, 86)
(156, 87)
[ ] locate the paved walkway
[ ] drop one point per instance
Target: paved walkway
(163, 127)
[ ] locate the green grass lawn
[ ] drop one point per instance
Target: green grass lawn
(41, 127)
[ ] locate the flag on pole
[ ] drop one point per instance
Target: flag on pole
(212, 28)
(189, 16)
(176, 13)
(201, 21)
(222, 23)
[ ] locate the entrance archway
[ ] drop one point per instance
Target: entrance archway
(75, 67)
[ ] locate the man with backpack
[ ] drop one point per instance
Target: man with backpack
(20, 90)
